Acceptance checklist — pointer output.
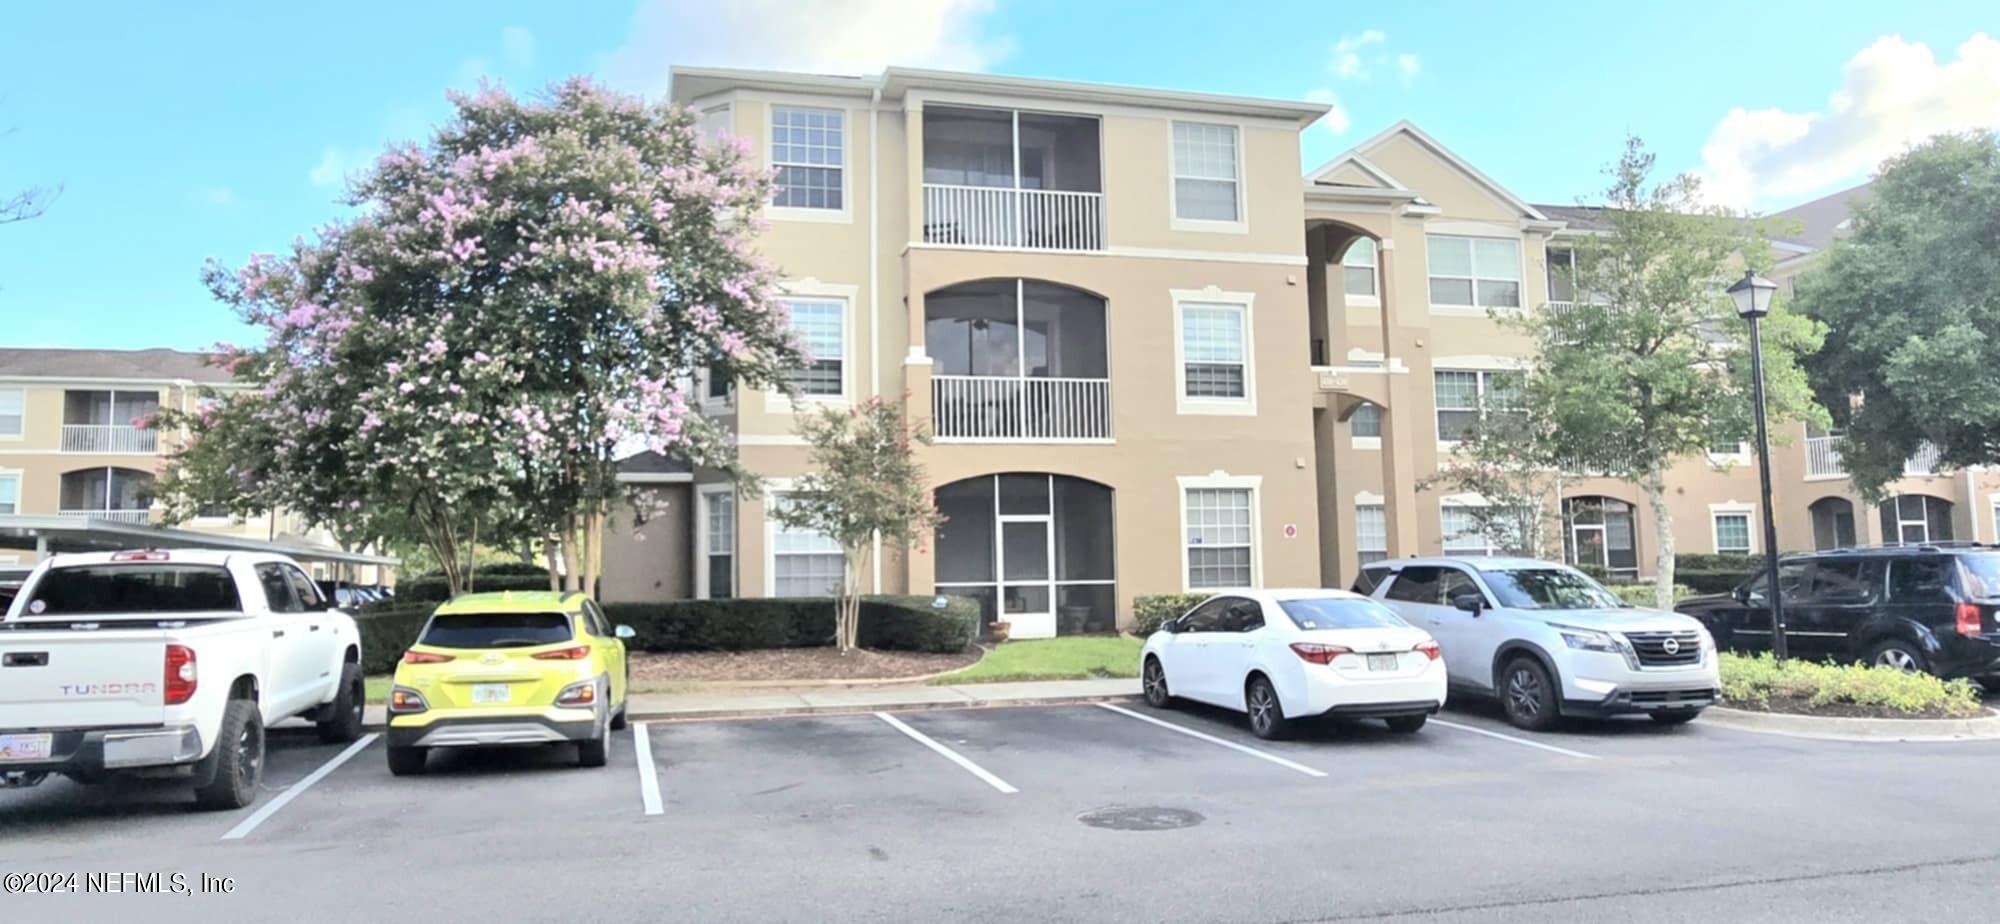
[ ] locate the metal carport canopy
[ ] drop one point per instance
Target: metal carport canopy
(58, 533)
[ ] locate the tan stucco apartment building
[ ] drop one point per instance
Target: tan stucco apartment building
(1155, 360)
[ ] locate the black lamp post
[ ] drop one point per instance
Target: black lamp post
(1752, 295)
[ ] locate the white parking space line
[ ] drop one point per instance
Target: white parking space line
(1566, 752)
(291, 792)
(649, 775)
(1253, 752)
(947, 753)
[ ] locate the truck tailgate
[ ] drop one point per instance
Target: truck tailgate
(68, 679)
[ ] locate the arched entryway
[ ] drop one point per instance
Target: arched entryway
(108, 493)
(1832, 523)
(1035, 549)
(1914, 519)
(1599, 531)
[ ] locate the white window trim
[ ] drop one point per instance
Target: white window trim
(1993, 505)
(772, 488)
(1471, 233)
(1483, 366)
(704, 495)
(1360, 301)
(18, 477)
(1363, 442)
(843, 215)
(1242, 223)
(708, 404)
(1244, 406)
(776, 402)
(1732, 508)
(1384, 508)
(1462, 501)
(1729, 459)
(1221, 479)
(17, 437)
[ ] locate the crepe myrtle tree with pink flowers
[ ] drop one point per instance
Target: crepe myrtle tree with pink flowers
(515, 302)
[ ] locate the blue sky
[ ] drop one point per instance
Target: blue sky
(181, 133)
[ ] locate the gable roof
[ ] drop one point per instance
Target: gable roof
(1824, 218)
(1359, 152)
(136, 365)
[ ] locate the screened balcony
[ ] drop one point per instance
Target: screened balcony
(1002, 178)
(1017, 360)
(120, 494)
(110, 421)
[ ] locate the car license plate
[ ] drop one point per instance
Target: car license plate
(489, 693)
(25, 747)
(1382, 662)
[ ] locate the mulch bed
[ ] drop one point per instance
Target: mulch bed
(1794, 706)
(805, 665)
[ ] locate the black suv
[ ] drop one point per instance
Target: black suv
(1920, 608)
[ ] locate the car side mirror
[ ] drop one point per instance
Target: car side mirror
(1469, 602)
(1171, 626)
(623, 631)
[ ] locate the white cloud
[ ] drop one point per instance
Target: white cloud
(221, 197)
(1893, 93)
(1408, 66)
(860, 36)
(1347, 63)
(517, 45)
(1336, 119)
(334, 166)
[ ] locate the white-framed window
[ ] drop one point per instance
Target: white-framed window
(1732, 533)
(1474, 272)
(809, 158)
(717, 578)
(1371, 532)
(1357, 268)
(13, 412)
(715, 123)
(1208, 188)
(1219, 535)
(1366, 422)
(1462, 535)
(1212, 334)
(1463, 396)
(821, 324)
(804, 563)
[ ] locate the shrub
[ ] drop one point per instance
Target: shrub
(1596, 572)
(1761, 682)
(386, 632)
(1642, 594)
(892, 622)
(431, 588)
(1149, 610)
(1715, 574)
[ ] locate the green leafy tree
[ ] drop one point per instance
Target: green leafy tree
(1911, 300)
(1508, 459)
(1652, 364)
(518, 300)
(865, 485)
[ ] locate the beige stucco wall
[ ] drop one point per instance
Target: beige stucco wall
(650, 560)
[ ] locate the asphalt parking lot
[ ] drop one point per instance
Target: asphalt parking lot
(1081, 812)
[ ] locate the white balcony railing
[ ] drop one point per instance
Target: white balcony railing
(979, 408)
(1922, 462)
(122, 516)
(1823, 456)
(109, 438)
(995, 216)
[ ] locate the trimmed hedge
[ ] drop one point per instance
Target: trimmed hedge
(431, 588)
(1642, 594)
(1715, 574)
(386, 632)
(1149, 610)
(889, 622)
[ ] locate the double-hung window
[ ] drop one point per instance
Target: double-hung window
(10, 493)
(719, 543)
(1465, 395)
(1474, 272)
(1732, 534)
(821, 325)
(804, 563)
(1371, 532)
(1463, 535)
(1357, 268)
(13, 411)
(1220, 537)
(1215, 355)
(808, 153)
(1207, 183)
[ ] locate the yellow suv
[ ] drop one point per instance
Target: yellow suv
(510, 668)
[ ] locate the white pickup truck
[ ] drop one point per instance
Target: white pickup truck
(170, 663)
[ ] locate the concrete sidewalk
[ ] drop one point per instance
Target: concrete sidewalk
(809, 701)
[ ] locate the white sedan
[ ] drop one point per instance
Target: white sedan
(1281, 655)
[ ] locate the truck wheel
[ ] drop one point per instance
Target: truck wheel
(407, 761)
(343, 717)
(227, 777)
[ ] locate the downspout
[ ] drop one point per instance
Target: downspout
(1972, 503)
(875, 278)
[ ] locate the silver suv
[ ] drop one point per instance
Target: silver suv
(1548, 641)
